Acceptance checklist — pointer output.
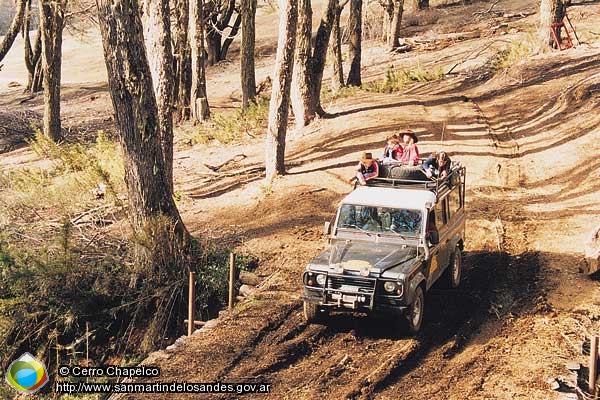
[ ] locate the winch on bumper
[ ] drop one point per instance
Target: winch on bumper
(353, 292)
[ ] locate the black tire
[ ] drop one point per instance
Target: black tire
(414, 319)
(313, 314)
(414, 172)
(454, 270)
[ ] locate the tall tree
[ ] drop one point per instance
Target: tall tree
(199, 107)
(396, 23)
(247, 70)
(302, 90)
(320, 52)
(551, 12)
(160, 58)
(309, 66)
(335, 48)
(183, 60)
(52, 22)
(33, 60)
(163, 238)
(355, 45)
(280, 95)
(13, 29)
(219, 16)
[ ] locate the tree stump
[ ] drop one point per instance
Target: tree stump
(592, 251)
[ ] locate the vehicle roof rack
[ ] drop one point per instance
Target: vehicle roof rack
(440, 187)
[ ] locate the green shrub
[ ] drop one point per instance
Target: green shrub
(233, 126)
(513, 53)
(397, 79)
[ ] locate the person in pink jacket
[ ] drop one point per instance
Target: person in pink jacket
(366, 169)
(410, 151)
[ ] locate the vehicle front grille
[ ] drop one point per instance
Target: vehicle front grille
(353, 283)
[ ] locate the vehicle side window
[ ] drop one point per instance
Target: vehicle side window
(439, 215)
(454, 200)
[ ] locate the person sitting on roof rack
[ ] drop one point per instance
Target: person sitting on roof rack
(410, 151)
(366, 169)
(393, 150)
(437, 165)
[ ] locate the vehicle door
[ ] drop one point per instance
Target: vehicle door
(438, 259)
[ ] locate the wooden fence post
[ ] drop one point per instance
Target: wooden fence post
(191, 302)
(231, 280)
(593, 364)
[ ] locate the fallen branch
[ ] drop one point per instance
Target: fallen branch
(216, 168)
(489, 10)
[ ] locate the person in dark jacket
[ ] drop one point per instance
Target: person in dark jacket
(437, 165)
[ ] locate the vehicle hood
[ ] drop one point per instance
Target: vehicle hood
(357, 256)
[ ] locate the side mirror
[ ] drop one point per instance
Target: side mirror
(327, 227)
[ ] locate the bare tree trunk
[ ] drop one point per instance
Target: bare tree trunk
(551, 12)
(163, 238)
(183, 84)
(320, 53)
(160, 58)
(280, 95)
(388, 16)
(52, 19)
(33, 60)
(337, 69)
(199, 107)
(302, 91)
(247, 70)
(227, 42)
(13, 29)
(355, 28)
(219, 19)
(396, 22)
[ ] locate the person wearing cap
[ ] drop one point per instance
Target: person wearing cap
(366, 169)
(392, 151)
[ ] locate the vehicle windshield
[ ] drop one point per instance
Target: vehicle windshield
(371, 219)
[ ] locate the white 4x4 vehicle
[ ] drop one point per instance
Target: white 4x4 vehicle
(391, 241)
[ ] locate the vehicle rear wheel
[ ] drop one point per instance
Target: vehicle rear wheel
(314, 314)
(415, 314)
(454, 271)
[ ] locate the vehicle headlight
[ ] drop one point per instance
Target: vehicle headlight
(321, 279)
(389, 286)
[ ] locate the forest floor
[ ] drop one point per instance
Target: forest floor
(529, 136)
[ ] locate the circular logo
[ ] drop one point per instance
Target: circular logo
(27, 374)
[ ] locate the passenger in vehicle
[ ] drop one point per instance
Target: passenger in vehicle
(348, 216)
(405, 221)
(371, 222)
(392, 151)
(367, 169)
(431, 233)
(410, 151)
(437, 165)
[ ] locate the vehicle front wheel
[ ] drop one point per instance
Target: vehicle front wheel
(314, 314)
(416, 311)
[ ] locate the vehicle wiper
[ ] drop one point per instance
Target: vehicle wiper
(357, 227)
(397, 233)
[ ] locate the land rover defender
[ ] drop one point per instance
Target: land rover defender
(391, 241)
